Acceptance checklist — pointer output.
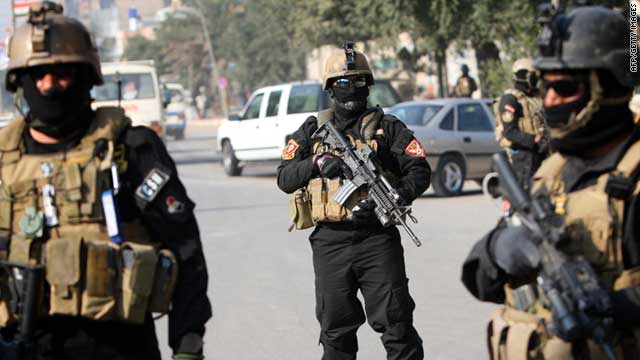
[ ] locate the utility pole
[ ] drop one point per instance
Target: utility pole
(215, 84)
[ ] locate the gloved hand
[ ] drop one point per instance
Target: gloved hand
(515, 251)
(330, 166)
(364, 212)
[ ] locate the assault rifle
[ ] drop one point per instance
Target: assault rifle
(581, 308)
(361, 171)
(24, 283)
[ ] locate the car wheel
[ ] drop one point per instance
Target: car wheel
(229, 160)
(180, 135)
(449, 176)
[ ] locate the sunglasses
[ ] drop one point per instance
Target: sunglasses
(58, 71)
(350, 83)
(564, 87)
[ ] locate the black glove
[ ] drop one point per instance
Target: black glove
(364, 212)
(330, 166)
(515, 251)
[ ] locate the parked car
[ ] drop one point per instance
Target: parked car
(136, 83)
(272, 114)
(458, 137)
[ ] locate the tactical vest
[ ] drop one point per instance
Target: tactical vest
(530, 122)
(463, 87)
(87, 273)
(594, 221)
(315, 203)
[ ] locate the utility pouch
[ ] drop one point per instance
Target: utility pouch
(317, 192)
(138, 268)
(72, 192)
(99, 295)
(164, 282)
(300, 210)
(63, 259)
(334, 211)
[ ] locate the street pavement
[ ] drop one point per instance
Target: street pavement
(261, 276)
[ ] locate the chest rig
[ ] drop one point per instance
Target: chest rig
(594, 221)
(531, 121)
(52, 212)
(322, 190)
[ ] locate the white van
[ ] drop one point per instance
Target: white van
(139, 92)
(272, 114)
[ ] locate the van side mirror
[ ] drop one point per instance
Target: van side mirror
(234, 117)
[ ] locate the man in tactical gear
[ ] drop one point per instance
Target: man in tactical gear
(591, 183)
(465, 85)
(519, 119)
(351, 250)
(99, 204)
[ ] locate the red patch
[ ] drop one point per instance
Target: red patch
(289, 151)
(509, 107)
(415, 149)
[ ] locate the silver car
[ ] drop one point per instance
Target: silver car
(458, 137)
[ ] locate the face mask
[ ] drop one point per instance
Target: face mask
(59, 113)
(349, 102)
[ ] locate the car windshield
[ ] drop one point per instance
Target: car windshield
(417, 115)
(381, 93)
(134, 87)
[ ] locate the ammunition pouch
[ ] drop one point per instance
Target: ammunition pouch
(99, 280)
(300, 210)
(323, 207)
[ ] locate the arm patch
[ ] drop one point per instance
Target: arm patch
(151, 186)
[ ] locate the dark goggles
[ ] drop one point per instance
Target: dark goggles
(63, 71)
(564, 87)
(350, 83)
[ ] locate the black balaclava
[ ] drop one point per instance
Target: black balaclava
(348, 104)
(605, 125)
(60, 113)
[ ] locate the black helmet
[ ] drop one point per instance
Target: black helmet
(589, 37)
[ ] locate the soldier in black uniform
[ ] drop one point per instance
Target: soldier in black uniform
(56, 88)
(351, 250)
(591, 183)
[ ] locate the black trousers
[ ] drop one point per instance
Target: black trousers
(525, 164)
(68, 338)
(348, 258)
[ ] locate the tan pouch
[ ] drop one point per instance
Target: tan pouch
(63, 274)
(99, 295)
(335, 211)
(628, 278)
(138, 267)
(318, 193)
(300, 210)
(164, 282)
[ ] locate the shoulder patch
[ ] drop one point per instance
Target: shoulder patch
(155, 180)
(507, 116)
(289, 151)
(415, 149)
